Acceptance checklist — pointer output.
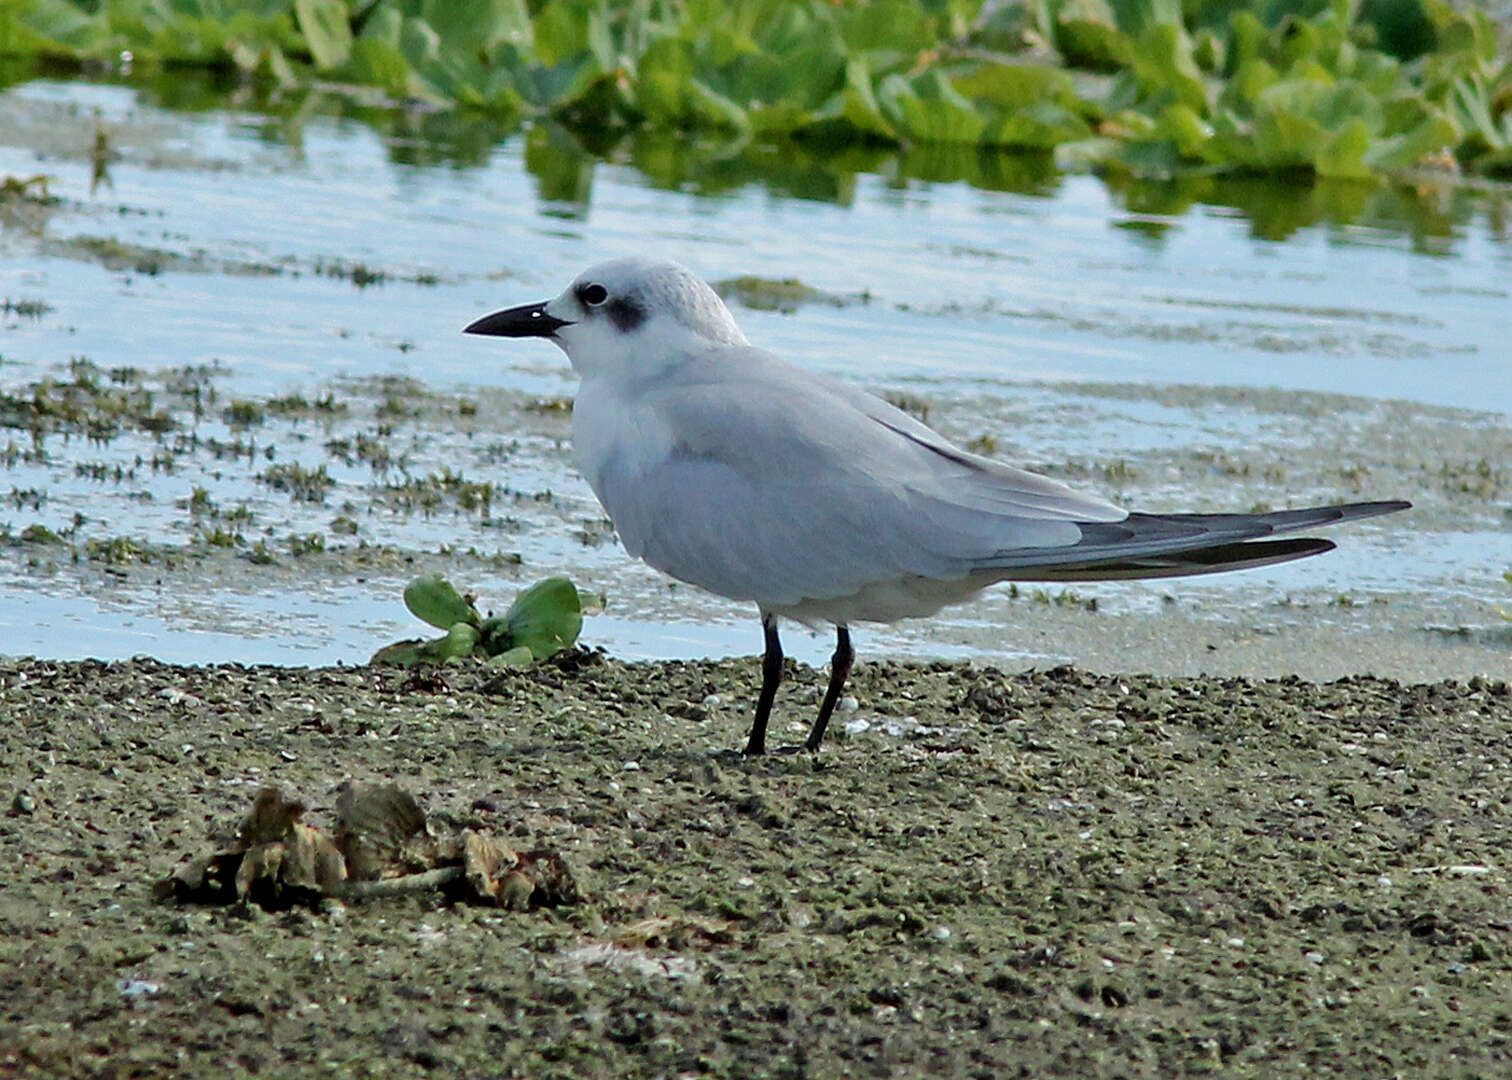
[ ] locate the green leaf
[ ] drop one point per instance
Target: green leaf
(518, 657)
(375, 62)
(1343, 154)
(1470, 105)
(1086, 155)
(561, 33)
(326, 31)
(1247, 39)
(896, 25)
(458, 644)
(546, 617)
(1182, 126)
(1036, 127)
(1016, 86)
(1433, 134)
(45, 27)
(401, 653)
(433, 599)
(1094, 44)
(1136, 17)
(859, 104)
(1164, 62)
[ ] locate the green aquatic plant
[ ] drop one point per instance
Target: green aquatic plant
(543, 620)
(1336, 88)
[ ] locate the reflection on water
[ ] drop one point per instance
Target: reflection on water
(1429, 210)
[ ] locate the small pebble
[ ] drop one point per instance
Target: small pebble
(137, 988)
(23, 804)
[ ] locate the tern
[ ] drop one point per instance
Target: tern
(729, 468)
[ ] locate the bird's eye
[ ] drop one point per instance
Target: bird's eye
(593, 295)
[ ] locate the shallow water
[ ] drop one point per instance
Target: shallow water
(1197, 346)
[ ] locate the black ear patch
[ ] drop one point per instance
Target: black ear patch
(625, 313)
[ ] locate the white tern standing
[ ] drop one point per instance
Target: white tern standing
(729, 468)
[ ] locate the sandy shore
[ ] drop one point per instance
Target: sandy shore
(1050, 873)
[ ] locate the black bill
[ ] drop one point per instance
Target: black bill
(528, 320)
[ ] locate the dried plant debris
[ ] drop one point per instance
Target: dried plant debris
(382, 845)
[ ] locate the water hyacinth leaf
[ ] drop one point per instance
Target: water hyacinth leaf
(478, 26)
(1286, 140)
(518, 657)
(433, 599)
(1092, 44)
(1087, 155)
(1434, 134)
(805, 73)
(1471, 109)
(936, 120)
(546, 617)
(1016, 86)
(859, 106)
(1038, 127)
(1136, 17)
(777, 119)
(1208, 51)
(419, 43)
(458, 644)
(1342, 155)
(1246, 40)
(326, 31)
(1293, 96)
(376, 62)
(400, 654)
(1131, 125)
(1294, 41)
(46, 28)
(1181, 125)
(688, 103)
(1164, 62)
(1346, 102)
(898, 26)
(568, 30)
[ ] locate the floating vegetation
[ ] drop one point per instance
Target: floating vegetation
(117, 551)
(296, 405)
(306, 544)
(1336, 89)
(26, 309)
(1479, 478)
(306, 485)
(33, 188)
(785, 295)
(427, 494)
(243, 414)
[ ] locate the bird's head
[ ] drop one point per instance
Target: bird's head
(624, 317)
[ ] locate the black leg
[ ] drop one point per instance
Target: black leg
(840, 665)
(771, 677)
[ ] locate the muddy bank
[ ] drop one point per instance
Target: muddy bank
(986, 874)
